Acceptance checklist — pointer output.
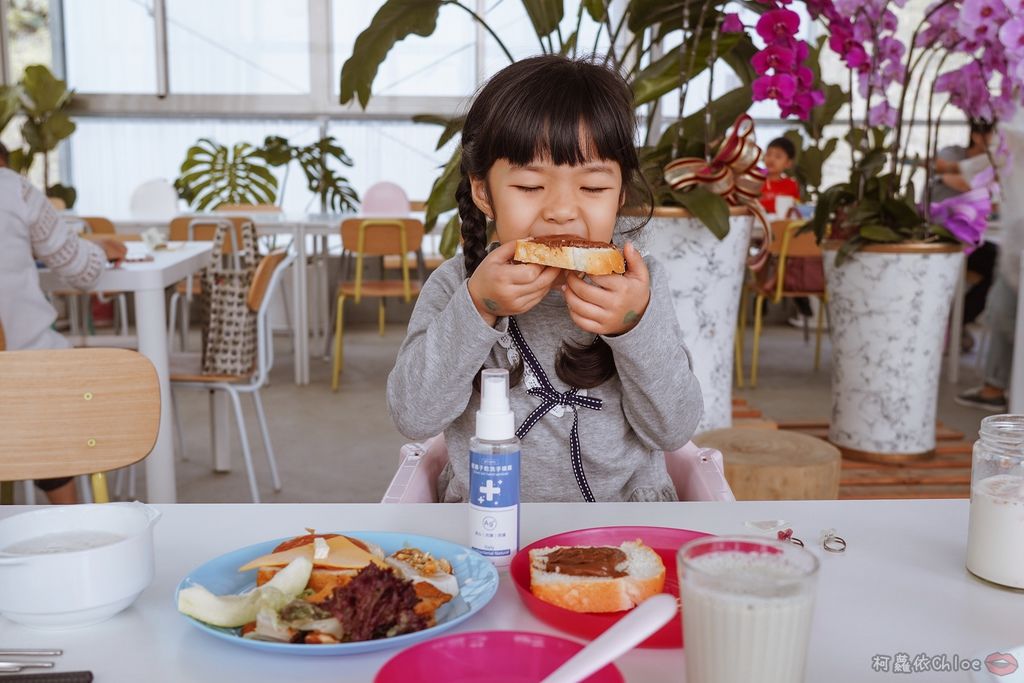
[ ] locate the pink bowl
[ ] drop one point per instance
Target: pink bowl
(663, 540)
(486, 657)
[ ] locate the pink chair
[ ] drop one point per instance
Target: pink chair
(697, 473)
(386, 200)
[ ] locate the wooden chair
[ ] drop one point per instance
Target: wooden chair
(186, 368)
(96, 225)
(197, 229)
(364, 237)
(76, 411)
(785, 244)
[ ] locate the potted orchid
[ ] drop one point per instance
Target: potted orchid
(703, 205)
(893, 257)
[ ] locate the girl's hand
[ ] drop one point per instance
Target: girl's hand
(501, 288)
(613, 304)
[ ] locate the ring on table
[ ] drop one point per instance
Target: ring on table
(833, 543)
(787, 535)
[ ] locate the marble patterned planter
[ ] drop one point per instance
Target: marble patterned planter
(705, 276)
(888, 308)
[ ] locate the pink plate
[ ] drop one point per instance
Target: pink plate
(485, 657)
(663, 540)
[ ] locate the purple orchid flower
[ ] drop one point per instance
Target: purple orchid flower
(732, 23)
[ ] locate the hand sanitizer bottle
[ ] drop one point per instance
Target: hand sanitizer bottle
(494, 473)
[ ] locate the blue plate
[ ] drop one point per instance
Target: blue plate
(477, 577)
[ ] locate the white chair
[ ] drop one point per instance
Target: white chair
(186, 368)
(697, 473)
(154, 199)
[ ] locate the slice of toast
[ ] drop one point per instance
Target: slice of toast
(571, 253)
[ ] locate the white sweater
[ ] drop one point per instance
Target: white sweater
(31, 230)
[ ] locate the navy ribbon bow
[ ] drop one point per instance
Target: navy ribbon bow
(551, 398)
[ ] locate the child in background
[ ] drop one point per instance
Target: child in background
(778, 159)
(602, 383)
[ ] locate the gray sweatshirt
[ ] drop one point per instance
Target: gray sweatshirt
(651, 405)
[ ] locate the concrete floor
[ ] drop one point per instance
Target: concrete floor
(343, 447)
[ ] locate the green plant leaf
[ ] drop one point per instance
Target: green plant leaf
(10, 103)
(596, 9)
(44, 91)
(213, 174)
(452, 126)
(644, 14)
(451, 236)
(707, 207)
(666, 73)
(64, 192)
(20, 161)
(828, 202)
(879, 233)
(901, 214)
(848, 249)
(569, 45)
(545, 15)
(276, 151)
(739, 58)
(872, 163)
(442, 193)
(394, 21)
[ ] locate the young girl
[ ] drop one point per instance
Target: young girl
(602, 382)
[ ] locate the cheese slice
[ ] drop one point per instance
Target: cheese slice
(342, 554)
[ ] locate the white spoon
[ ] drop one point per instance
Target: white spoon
(623, 636)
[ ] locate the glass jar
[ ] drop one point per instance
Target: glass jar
(995, 540)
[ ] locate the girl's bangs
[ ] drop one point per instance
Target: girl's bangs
(566, 121)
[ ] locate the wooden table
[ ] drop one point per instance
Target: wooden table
(901, 587)
(147, 281)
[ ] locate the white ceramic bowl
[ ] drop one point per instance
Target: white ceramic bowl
(50, 580)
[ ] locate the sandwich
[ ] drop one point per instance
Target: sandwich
(571, 253)
(596, 578)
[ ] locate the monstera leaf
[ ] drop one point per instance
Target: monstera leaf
(334, 190)
(213, 174)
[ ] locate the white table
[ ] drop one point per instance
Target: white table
(147, 282)
(900, 587)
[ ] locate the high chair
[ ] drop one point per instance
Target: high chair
(68, 412)
(786, 244)
(374, 237)
(697, 473)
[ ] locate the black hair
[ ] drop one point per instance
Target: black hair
(980, 127)
(5, 156)
(786, 145)
(537, 108)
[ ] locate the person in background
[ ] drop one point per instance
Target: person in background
(1001, 307)
(779, 157)
(31, 230)
(950, 180)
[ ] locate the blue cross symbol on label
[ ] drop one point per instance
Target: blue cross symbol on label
(490, 490)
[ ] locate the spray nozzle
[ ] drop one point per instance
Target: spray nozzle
(494, 420)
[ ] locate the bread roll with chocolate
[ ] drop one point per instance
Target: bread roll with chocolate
(571, 253)
(596, 578)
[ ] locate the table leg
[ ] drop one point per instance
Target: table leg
(1016, 393)
(300, 327)
(151, 321)
(220, 431)
(956, 327)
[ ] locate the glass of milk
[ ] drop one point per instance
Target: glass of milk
(994, 548)
(747, 607)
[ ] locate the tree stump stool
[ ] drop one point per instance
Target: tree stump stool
(776, 465)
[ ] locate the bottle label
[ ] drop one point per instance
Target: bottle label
(494, 505)
(494, 480)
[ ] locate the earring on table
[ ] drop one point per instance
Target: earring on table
(831, 542)
(787, 535)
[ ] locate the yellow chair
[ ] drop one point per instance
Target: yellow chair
(785, 244)
(363, 237)
(76, 411)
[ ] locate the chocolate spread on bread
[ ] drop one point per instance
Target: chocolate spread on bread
(556, 241)
(584, 561)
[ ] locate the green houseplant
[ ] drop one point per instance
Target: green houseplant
(41, 100)
(213, 174)
(702, 243)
